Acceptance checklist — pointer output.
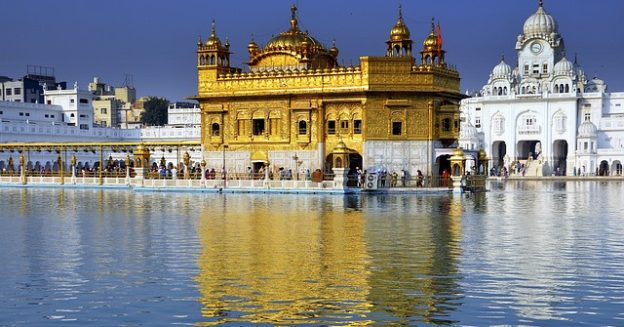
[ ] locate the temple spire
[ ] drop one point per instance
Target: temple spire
(293, 17)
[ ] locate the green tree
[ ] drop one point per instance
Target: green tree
(155, 111)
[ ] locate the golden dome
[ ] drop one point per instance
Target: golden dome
(213, 39)
(293, 38)
(431, 42)
(458, 152)
(400, 31)
(252, 45)
(482, 155)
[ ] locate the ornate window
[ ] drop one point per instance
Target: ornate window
(215, 129)
(498, 124)
(303, 127)
(397, 128)
(446, 125)
(357, 126)
(331, 127)
(527, 124)
(559, 122)
(258, 126)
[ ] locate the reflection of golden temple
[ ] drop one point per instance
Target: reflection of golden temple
(278, 262)
(296, 100)
(281, 268)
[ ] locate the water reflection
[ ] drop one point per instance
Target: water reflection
(302, 260)
(526, 253)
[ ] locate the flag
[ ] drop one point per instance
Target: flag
(439, 32)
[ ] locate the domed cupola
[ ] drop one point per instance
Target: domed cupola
(540, 23)
(564, 67)
(432, 53)
(467, 132)
(502, 70)
(292, 49)
(399, 44)
(587, 130)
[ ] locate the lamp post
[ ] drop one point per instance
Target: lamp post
(225, 146)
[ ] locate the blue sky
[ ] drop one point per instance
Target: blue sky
(155, 40)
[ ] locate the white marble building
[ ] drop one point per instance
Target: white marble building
(67, 116)
(544, 114)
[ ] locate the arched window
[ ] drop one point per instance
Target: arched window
(446, 125)
(215, 129)
(303, 127)
(567, 88)
(202, 60)
(505, 91)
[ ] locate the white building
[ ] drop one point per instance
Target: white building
(544, 116)
(77, 105)
(68, 116)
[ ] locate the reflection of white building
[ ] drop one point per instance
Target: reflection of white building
(544, 113)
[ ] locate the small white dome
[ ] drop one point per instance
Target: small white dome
(564, 67)
(501, 70)
(467, 132)
(540, 23)
(587, 129)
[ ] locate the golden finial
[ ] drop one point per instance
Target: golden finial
(432, 24)
(214, 30)
(400, 12)
(293, 17)
(541, 3)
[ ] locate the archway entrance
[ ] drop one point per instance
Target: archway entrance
(499, 150)
(603, 170)
(526, 149)
(444, 164)
(560, 154)
(616, 168)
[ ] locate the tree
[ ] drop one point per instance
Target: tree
(155, 111)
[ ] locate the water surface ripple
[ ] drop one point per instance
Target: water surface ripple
(526, 253)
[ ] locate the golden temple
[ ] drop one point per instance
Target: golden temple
(296, 105)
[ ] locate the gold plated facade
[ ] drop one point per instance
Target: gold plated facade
(295, 97)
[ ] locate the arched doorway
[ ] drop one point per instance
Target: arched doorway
(560, 154)
(355, 162)
(616, 168)
(603, 170)
(499, 150)
(526, 149)
(444, 164)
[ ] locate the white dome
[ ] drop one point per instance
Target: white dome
(467, 132)
(564, 67)
(587, 129)
(501, 70)
(540, 23)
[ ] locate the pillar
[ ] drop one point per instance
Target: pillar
(457, 169)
